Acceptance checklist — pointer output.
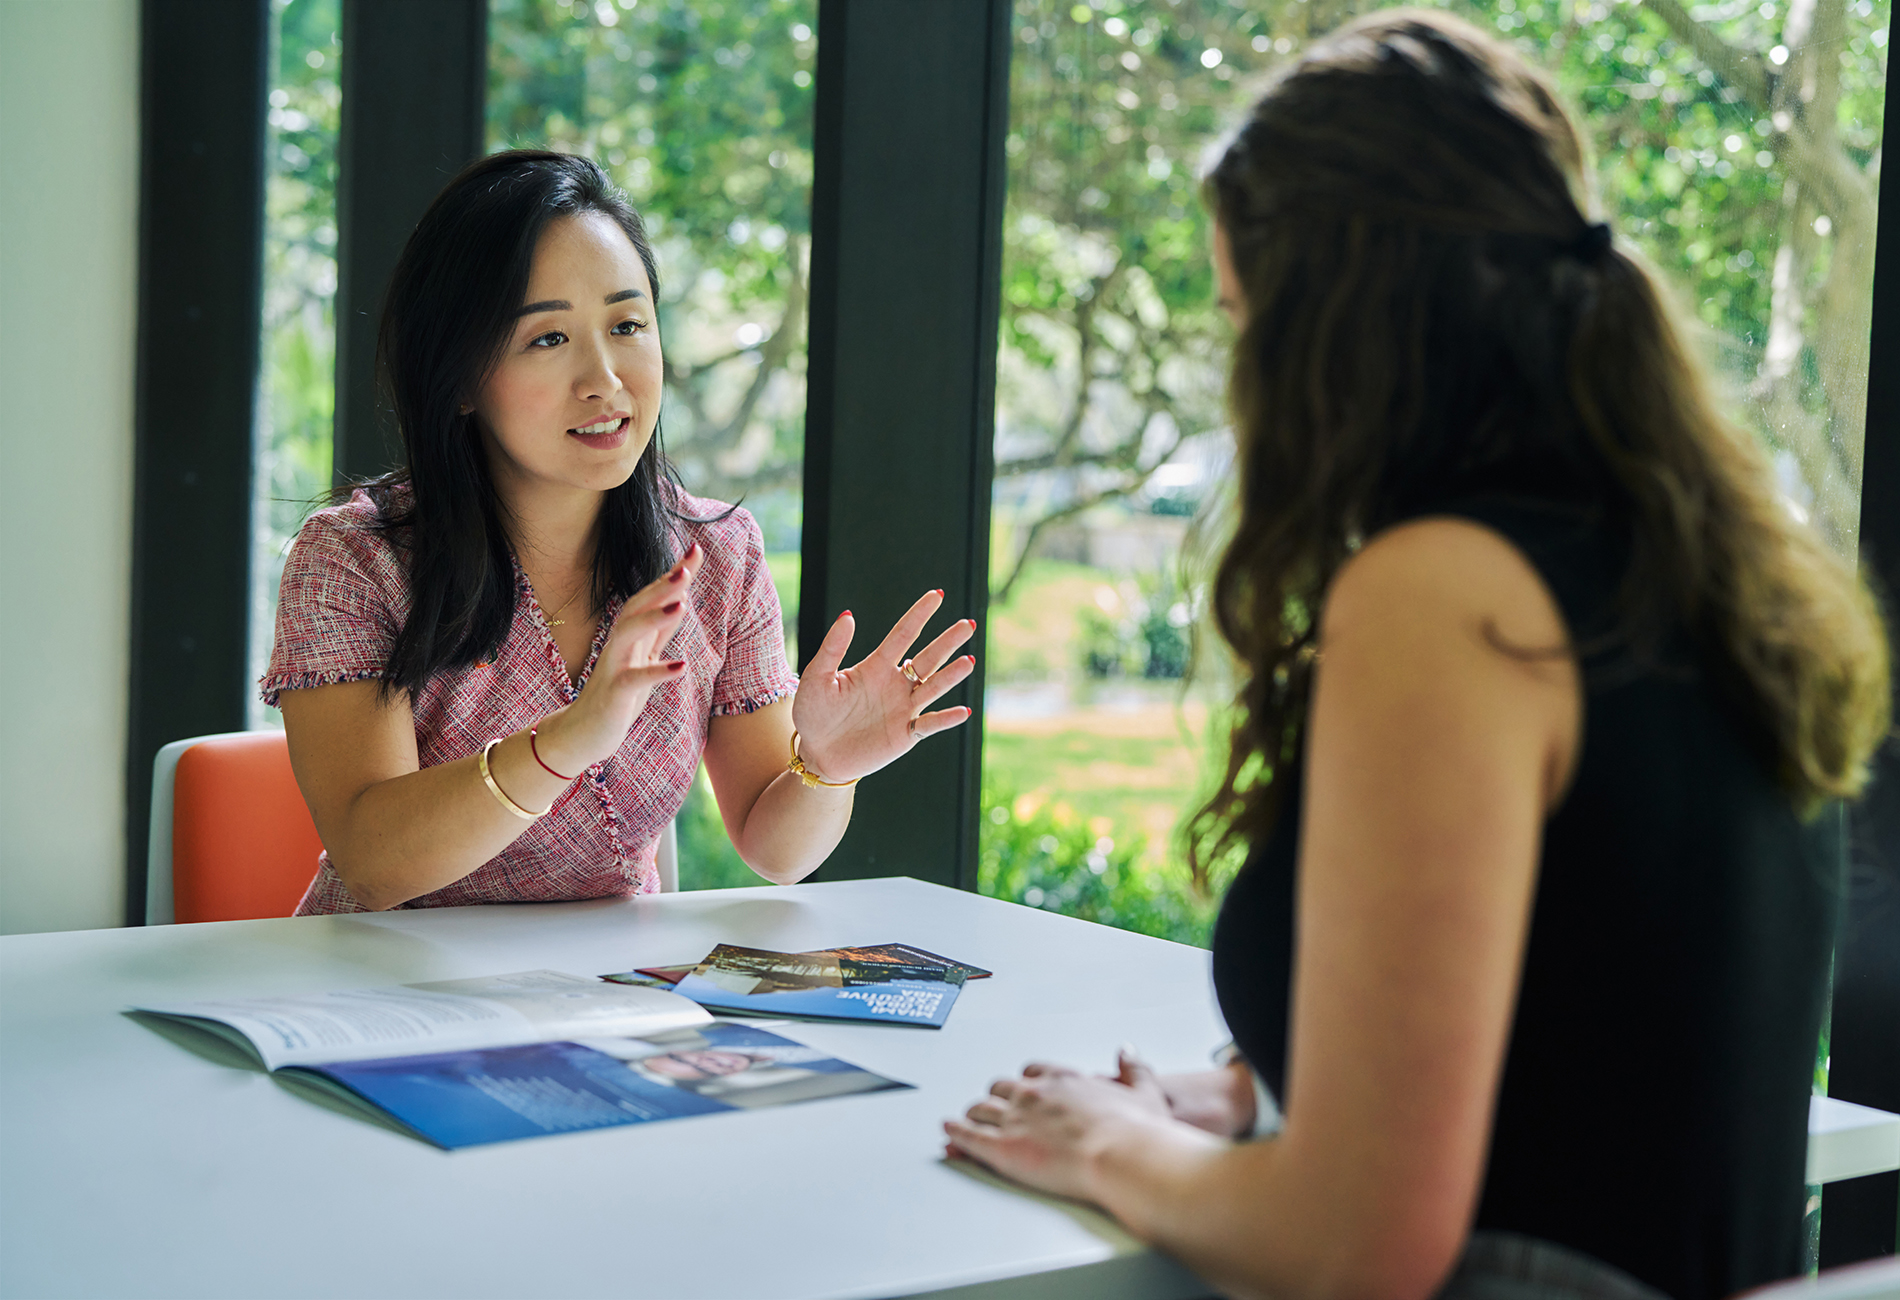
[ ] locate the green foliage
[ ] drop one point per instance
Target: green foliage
(707, 858)
(300, 259)
(1033, 855)
(1147, 636)
(1103, 644)
(1108, 337)
(297, 384)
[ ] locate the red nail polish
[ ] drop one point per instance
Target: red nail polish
(670, 609)
(939, 591)
(846, 614)
(674, 665)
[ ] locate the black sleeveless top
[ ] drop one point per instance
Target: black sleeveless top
(1653, 1106)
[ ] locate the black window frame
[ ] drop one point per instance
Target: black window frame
(203, 81)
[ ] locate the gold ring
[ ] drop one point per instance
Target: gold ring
(910, 673)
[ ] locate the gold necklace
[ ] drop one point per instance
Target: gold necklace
(555, 620)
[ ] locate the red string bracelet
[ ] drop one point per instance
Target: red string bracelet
(537, 758)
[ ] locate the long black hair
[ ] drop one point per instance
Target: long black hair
(447, 318)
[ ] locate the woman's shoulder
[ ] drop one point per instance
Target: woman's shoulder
(1444, 575)
(734, 587)
(1577, 549)
(729, 536)
(352, 535)
(714, 523)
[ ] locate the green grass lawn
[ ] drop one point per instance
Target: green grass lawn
(1132, 788)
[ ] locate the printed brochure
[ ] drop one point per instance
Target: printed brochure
(467, 1062)
(825, 985)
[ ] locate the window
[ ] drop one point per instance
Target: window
(1734, 145)
(297, 371)
(703, 113)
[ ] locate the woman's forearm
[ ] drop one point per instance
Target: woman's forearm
(415, 833)
(1254, 1219)
(1219, 1208)
(792, 828)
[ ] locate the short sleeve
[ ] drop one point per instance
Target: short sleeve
(337, 605)
(755, 672)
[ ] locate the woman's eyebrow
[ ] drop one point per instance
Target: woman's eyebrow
(562, 304)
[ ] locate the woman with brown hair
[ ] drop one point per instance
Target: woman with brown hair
(1546, 698)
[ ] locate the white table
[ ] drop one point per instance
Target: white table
(133, 1166)
(1850, 1141)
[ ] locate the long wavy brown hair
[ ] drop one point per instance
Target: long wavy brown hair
(1432, 314)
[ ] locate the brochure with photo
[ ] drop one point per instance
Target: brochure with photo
(925, 965)
(462, 1099)
(821, 986)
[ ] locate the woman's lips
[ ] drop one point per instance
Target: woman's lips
(607, 441)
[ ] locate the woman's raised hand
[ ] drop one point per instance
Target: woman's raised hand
(853, 721)
(630, 665)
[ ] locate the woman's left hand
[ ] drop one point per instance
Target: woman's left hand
(1048, 1128)
(853, 721)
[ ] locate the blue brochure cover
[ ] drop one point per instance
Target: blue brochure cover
(818, 986)
(462, 1099)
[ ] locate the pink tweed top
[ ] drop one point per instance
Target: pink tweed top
(344, 597)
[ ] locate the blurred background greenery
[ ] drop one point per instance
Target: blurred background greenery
(1737, 145)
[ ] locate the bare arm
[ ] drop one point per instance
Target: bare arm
(395, 830)
(852, 722)
(1433, 758)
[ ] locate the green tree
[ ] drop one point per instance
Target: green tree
(1735, 142)
(297, 390)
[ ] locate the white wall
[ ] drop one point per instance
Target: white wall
(69, 88)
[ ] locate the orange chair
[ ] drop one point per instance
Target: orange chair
(231, 837)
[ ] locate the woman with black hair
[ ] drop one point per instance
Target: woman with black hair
(501, 665)
(1546, 698)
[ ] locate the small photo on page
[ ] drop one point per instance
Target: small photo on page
(743, 1067)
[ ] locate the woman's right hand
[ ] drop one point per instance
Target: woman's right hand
(593, 727)
(1219, 1101)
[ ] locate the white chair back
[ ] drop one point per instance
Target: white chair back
(667, 856)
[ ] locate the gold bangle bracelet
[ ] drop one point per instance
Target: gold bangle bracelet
(811, 779)
(488, 779)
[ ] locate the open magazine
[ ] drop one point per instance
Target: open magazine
(466, 1062)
